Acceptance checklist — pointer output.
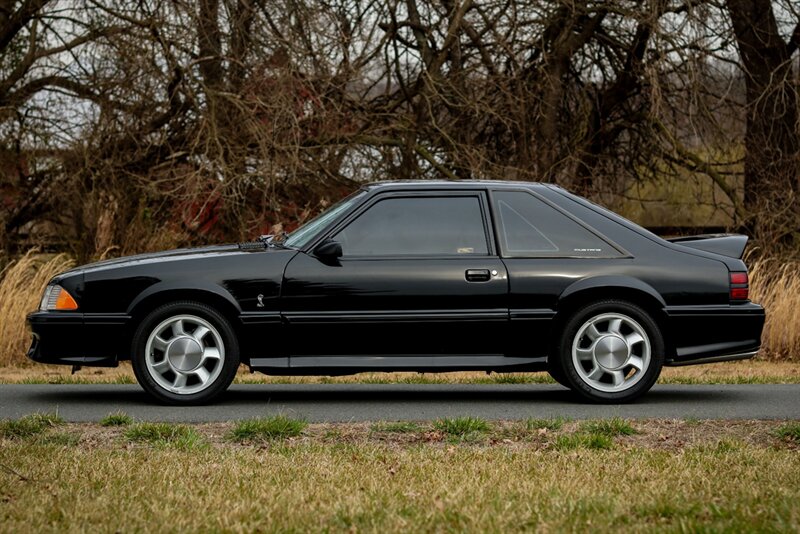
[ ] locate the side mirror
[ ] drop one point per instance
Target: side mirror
(328, 250)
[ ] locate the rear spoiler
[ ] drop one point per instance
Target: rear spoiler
(731, 245)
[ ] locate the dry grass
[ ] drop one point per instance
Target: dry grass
(776, 286)
(741, 372)
(21, 285)
(669, 476)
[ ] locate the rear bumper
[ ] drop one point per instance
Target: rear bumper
(67, 338)
(706, 334)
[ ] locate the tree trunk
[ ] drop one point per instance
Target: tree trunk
(772, 147)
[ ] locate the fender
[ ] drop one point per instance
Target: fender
(176, 286)
(609, 282)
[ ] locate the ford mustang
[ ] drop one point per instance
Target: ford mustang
(414, 276)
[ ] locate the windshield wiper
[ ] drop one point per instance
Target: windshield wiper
(273, 240)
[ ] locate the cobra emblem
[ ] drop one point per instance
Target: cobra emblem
(260, 299)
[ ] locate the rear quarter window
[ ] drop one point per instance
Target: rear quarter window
(529, 227)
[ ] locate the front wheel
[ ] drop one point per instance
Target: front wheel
(185, 353)
(610, 352)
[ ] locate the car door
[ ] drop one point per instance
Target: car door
(418, 276)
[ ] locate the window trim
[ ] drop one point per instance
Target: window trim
(622, 253)
(483, 202)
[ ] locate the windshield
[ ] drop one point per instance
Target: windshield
(306, 233)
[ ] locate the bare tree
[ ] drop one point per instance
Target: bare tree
(186, 122)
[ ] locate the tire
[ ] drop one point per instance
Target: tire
(554, 369)
(185, 353)
(610, 352)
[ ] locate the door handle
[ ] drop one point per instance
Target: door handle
(478, 275)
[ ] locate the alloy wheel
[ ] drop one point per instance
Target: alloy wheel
(611, 352)
(184, 354)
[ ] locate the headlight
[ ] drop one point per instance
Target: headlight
(57, 298)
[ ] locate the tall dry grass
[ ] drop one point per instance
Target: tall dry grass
(21, 285)
(775, 285)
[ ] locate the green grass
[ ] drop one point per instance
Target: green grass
(267, 428)
(28, 426)
(609, 427)
(462, 428)
(789, 431)
(397, 427)
(165, 434)
(581, 440)
(552, 424)
(116, 419)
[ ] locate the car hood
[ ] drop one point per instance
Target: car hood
(176, 254)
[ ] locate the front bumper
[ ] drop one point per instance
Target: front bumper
(706, 334)
(69, 338)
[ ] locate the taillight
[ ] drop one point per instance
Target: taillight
(740, 289)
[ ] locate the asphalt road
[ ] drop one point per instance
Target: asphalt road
(361, 402)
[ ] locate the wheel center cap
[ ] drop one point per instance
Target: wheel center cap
(611, 352)
(185, 354)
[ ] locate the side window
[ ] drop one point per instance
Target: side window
(530, 227)
(414, 226)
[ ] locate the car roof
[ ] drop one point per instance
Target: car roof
(455, 184)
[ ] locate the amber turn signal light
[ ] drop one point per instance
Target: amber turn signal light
(65, 301)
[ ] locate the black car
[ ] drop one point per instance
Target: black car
(415, 276)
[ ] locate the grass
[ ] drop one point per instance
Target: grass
(581, 440)
(59, 439)
(75, 379)
(733, 477)
(397, 427)
(552, 424)
(267, 428)
(116, 419)
(789, 431)
(609, 427)
(28, 426)
(594, 435)
(165, 435)
(22, 283)
(776, 286)
(462, 428)
(744, 372)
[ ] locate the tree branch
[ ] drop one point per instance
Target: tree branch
(18, 20)
(701, 165)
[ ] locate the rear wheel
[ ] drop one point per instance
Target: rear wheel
(185, 353)
(610, 352)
